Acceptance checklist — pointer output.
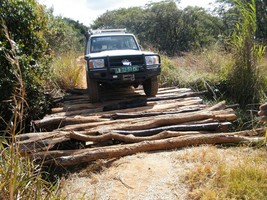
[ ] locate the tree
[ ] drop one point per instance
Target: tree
(164, 26)
(230, 14)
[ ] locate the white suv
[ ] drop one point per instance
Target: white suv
(114, 57)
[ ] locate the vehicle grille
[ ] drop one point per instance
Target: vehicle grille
(117, 61)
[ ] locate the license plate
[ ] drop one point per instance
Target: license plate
(128, 77)
(127, 69)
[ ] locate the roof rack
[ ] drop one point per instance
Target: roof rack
(99, 31)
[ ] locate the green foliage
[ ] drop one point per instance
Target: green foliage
(64, 35)
(22, 29)
(230, 13)
(20, 177)
(245, 84)
(170, 74)
(37, 36)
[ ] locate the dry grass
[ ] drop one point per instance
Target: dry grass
(204, 172)
(196, 70)
(69, 71)
(234, 173)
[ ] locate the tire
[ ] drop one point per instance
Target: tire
(93, 89)
(151, 86)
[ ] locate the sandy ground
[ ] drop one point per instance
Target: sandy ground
(141, 176)
(146, 176)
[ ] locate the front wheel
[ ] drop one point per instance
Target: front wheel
(151, 86)
(93, 89)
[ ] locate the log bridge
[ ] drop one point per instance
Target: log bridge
(126, 122)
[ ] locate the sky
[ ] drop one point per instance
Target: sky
(86, 11)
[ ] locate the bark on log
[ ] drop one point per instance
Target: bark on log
(130, 138)
(40, 145)
(263, 118)
(67, 158)
(219, 106)
(178, 96)
(126, 104)
(51, 123)
(263, 106)
(76, 91)
(154, 122)
(162, 135)
(215, 126)
(166, 120)
(262, 113)
(149, 114)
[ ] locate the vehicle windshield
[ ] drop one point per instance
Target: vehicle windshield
(119, 42)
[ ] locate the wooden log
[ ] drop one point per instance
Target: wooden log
(67, 158)
(51, 123)
(215, 126)
(178, 96)
(75, 97)
(126, 104)
(153, 122)
(150, 107)
(263, 106)
(262, 113)
(40, 145)
(36, 136)
(130, 138)
(76, 91)
(263, 118)
(32, 142)
(162, 135)
(79, 106)
(219, 106)
(149, 114)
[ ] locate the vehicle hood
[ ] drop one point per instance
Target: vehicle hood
(118, 53)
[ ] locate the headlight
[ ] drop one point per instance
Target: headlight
(97, 63)
(152, 60)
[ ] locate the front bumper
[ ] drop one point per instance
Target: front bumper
(110, 76)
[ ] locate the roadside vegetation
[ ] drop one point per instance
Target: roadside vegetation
(222, 51)
(233, 173)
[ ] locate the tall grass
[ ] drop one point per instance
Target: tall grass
(204, 70)
(245, 83)
(68, 70)
(20, 177)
